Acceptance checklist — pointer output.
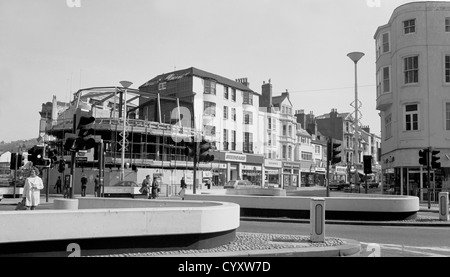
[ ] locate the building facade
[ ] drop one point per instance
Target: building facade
(413, 80)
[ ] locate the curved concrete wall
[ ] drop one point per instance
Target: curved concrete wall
(382, 204)
(110, 217)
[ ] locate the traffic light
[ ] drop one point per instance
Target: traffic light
(367, 159)
(84, 140)
(191, 148)
(61, 166)
(332, 152)
(52, 155)
(204, 155)
(12, 163)
(36, 155)
(434, 159)
(31, 157)
(423, 154)
(20, 160)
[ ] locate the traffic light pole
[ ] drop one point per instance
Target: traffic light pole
(15, 176)
(329, 150)
(101, 170)
(365, 181)
(428, 178)
(197, 150)
(72, 159)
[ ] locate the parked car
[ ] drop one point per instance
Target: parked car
(352, 188)
(370, 185)
(338, 185)
(122, 188)
(236, 184)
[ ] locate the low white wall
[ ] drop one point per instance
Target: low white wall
(136, 218)
(248, 191)
(10, 190)
(363, 203)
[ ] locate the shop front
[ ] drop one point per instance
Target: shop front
(402, 176)
(291, 174)
(272, 172)
(307, 174)
(236, 166)
(320, 176)
(252, 173)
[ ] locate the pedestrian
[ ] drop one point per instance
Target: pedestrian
(32, 188)
(183, 188)
(84, 181)
(145, 186)
(155, 188)
(208, 183)
(97, 186)
(58, 185)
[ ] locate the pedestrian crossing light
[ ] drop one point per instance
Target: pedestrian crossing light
(204, 155)
(423, 157)
(434, 159)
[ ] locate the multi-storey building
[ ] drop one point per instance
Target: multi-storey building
(413, 79)
(293, 154)
(226, 112)
(256, 137)
(340, 127)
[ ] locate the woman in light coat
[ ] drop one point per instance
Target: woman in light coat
(32, 188)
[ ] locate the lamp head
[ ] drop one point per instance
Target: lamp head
(355, 56)
(126, 84)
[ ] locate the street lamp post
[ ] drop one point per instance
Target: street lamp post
(126, 85)
(355, 57)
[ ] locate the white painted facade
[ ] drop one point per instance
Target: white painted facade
(413, 82)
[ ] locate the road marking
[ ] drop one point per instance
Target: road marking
(413, 249)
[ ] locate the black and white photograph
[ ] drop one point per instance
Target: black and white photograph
(225, 136)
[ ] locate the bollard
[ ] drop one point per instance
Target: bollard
(443, 206)
(317, 219)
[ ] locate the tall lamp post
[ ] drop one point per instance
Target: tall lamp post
(126, 85)
(355, 57)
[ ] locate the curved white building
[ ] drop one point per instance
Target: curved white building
(413, 94)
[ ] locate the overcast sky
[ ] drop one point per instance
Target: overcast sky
(48, 48)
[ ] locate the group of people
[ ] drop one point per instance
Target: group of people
(151, 189)
(33, 185)
(84, 180)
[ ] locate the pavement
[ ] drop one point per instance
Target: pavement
(425, 217)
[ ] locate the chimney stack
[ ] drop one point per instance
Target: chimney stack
(300, 116)
(243, 81)
(266, 96)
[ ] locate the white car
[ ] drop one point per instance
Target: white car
(122, 188)
(236, 184)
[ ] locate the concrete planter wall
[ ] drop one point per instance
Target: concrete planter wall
(112, 223)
